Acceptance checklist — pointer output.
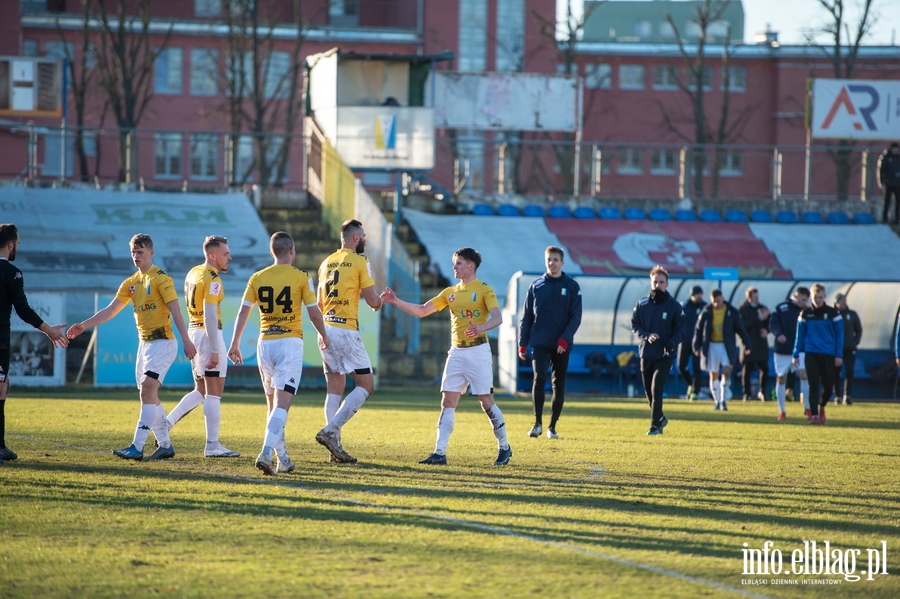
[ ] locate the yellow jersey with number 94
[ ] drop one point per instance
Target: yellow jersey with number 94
(342, 276)
(281, 290)
(470, 303)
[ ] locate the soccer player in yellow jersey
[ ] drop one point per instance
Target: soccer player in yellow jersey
(343, 277)
(152, 293)
(279, 290)
(203, 293)
(473, 311)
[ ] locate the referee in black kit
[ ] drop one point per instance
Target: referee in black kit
(12, 295)
(658, 321)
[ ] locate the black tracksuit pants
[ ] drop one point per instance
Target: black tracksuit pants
(749, 368)
(886, 210)
(820, 369)
(655, 373)
(543, 358)
(687, 356)
(849, 365)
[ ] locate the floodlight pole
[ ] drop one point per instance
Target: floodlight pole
(579, 131)
(62, 125)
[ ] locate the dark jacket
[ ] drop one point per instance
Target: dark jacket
(889, 169)
(783, 321)
(691, 314)
(552, 312)
(759, 345)
(12, 295)
(732, 327)
(661, 315)
(820, 331)
(852, 329)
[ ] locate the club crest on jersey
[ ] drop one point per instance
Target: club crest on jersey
(665, 315)
(474, 297)
(215, 288)
(451, 298)
(131, 290)
(563, 291)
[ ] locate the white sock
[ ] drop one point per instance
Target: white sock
(804, 389)
(444, 428)
(144, 425)
(212, 410)
(715, 391)
(160, 428)
(780, 392)
(184, 407)
(499, 424)
(274, 429)
(281, 449)
(723, 381)
(332, 405)
(351, 405)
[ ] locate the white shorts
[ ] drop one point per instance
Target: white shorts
(280, 364)
(154, 358)
(346, 353)
(784, 364)
(469, 366)
(198, 364)
(717, 358)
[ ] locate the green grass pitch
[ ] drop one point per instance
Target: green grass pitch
(605, 511)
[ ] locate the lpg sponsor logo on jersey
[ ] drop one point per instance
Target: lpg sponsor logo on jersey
(856, 109)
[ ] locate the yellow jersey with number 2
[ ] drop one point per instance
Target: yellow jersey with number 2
(342, 276)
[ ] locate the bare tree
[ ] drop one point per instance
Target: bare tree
(842, 50)
(125, 62)
(565, 36)
(263, 86)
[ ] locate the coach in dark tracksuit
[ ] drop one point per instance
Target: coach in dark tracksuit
(691, 308)
(658, 322)
(852, 336)
(552, 314)
(820, 333)
(889, 179)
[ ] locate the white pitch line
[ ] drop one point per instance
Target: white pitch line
(597, 471)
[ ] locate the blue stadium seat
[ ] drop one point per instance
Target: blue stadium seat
(482, 210)
(559, 212)
(710, 216)
(837, 218)
(862, 218)
(584, 212)
(507, 210)
(635, 214)
(660, 214)
(786, 217)
(761, 216)
(610, 213)
(533, 210)
(685, 216)
(812, 218)
(735, 216)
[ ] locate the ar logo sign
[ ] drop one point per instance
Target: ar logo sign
(844, 100)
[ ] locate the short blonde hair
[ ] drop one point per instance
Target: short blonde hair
(817, 287)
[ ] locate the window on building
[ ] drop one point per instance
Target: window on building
(698, 156)
(510, 35)
(691, 31)
(53, 154)
(470, 152)
(643, 29)
(598, 76)
(207, 8)
(666, 31)
(89, 143)
(737, 79)
(663, 162)
(631, 76)
(167, 155)
(277, 66)
(204, 72)
(717, 32)
(630, 161)
(58, 50)
(665, 77)
(168, 69)
(204, 156)
(731, 163)
(29, 48)
(707, 75)
(472, 35)
(246, 159)
(339, 8)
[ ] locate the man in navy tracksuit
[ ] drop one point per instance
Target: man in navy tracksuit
(715, 341)
(691, 308)
(820, 333)
(658, 322)
(551, 316)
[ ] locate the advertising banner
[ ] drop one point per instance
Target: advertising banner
(855, 109)
(33, 361)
